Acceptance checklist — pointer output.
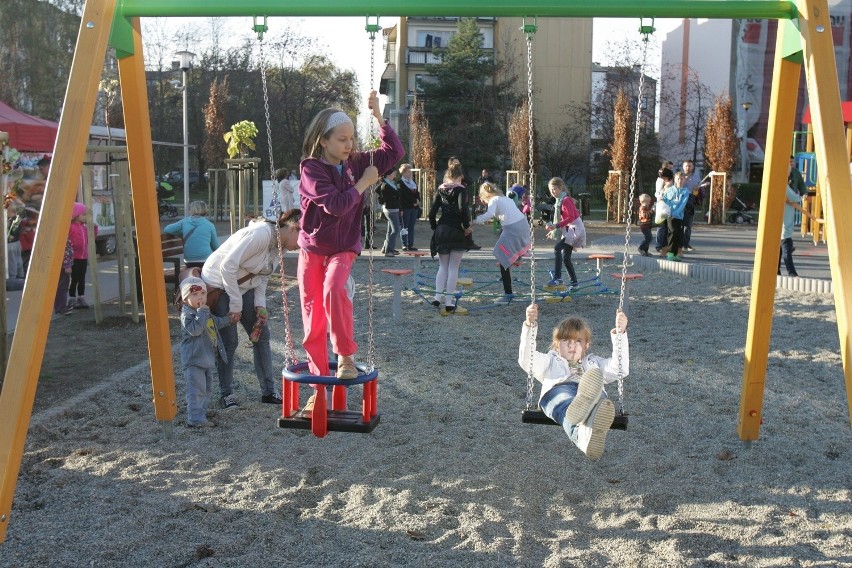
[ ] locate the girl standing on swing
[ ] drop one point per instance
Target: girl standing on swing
(334, 178)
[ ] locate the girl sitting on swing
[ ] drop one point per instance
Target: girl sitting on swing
(572, 380)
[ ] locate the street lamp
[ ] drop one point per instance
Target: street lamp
(185, 62)
(745, 106)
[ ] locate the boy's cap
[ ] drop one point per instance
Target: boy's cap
(190, 285)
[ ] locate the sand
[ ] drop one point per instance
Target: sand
(451, 477)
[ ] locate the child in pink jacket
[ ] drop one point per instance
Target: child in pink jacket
(79, 237)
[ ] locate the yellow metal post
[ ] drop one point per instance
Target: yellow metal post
(779, 138)
(16, 399)
(131, 73)
(832, 162)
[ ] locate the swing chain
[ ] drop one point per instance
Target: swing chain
(628, 217)
(529, 30)
(371, 199)
(289, 350)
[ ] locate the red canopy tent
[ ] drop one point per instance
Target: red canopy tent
(27, 133)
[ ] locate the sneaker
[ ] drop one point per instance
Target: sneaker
(202, 424)
(413, 248)
(688, 249)
(390, 254)
(474, 246)
(504, 299)
(228, 402)
(453, 311)
(589, 392)
(644, 252)
(271, 399)
(346, 369)
(555, 282)
(437, 303)
(673, 257)
(591, 437)
(82, 304)
(573, 287)
(67, 311)
(308, 410)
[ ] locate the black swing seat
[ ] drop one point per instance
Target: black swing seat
(536, 416)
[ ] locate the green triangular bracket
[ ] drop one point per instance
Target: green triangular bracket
(791, 41)
(121, 35)
(646, 29)
(529, 28)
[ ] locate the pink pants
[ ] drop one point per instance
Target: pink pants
(322, 287)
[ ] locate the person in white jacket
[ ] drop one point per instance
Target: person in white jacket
(572, 380)
(240, 268)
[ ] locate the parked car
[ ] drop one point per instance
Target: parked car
(175, 177)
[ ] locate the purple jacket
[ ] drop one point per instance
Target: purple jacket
(331, 206)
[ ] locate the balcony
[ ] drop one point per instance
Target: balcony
(429, 56)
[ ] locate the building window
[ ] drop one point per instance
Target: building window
(432, 39)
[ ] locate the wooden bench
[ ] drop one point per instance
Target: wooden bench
(172, 255)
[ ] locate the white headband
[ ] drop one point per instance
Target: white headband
(336, 119)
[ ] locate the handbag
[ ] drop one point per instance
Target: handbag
(662, 212)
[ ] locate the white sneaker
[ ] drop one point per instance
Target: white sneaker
(589, 392)
(591, 437)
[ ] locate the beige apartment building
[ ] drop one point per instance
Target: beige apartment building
(562, 60)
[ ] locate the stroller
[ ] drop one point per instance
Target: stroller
(738, 212)
(165, 195)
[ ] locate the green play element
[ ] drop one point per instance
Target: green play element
(717, 9)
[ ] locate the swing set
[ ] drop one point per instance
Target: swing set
(804, 39)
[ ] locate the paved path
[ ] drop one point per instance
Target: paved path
(726, 248)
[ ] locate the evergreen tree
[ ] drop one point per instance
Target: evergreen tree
(464, 104)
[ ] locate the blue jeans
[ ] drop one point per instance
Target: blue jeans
(646, 239)
(662, 234)
(262, 351)
(409, 220)
(393, 230)
(787, 249)
(555, 403)
(688, 218)
(564, 250)
(199, 384)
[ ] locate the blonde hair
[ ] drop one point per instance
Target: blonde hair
(488, 189)
(316, 132)
(198, 208)
(404, 167)
(644, 198)
(454, 171)
(558, 182)
(574, 327)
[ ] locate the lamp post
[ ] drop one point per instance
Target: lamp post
(745, 106)
(185, 62)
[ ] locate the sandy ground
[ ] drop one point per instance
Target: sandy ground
(451, 477)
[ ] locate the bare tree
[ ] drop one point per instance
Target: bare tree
(684, 104)
(519, 139)
(720, 151)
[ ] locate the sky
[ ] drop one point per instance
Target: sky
(348, 44)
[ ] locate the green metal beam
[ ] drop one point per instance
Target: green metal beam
(717, 9)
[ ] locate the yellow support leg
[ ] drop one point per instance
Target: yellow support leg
(782, 109)
(131, 72)
(832, 162)
(16, 400)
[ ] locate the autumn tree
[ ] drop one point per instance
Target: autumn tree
(619, 154)
(720, 151)
(422, 149)
(214, 148)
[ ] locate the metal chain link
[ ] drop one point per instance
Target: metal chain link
(534, 330)
(371, 198)
(289, 350)
(628, 222)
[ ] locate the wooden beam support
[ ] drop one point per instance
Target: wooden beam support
(131, 72)
(19, 387)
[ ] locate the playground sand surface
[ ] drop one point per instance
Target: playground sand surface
(451, 477)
